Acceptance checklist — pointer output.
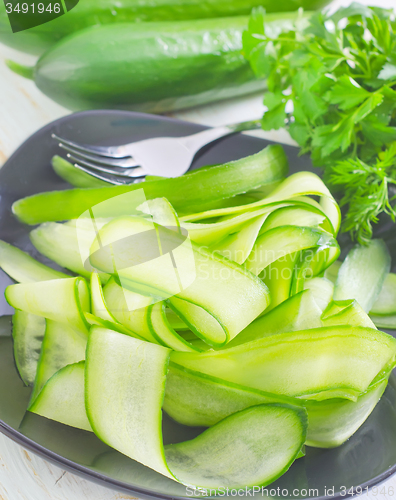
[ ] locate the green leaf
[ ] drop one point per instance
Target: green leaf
(312, 105)
(256, 21)
(300, 133)
(378, 133)
(340, 71)
(388, 72)
(273, 99)
(355, 9)
(347, 93)
(274, 119)
(368, 106)
(261, 62)
(332, 137)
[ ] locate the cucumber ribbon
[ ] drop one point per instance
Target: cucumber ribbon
(125, 383)
(187, 193)
(238, 318)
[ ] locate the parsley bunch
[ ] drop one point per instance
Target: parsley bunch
(332, 82)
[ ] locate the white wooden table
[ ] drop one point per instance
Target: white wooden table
(23, 110)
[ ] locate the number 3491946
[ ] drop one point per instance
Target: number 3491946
(33, 8)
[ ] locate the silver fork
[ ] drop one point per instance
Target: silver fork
(163, 156)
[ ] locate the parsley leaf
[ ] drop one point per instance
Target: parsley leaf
(339, 72)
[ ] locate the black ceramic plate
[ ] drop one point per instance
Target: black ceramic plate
(368, 458)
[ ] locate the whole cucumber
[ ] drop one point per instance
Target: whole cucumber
(154, 67)
(98, 12)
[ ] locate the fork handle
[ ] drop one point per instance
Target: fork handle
(197, 141)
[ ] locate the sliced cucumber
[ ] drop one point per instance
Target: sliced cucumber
(384, 321)
(386, 301)
(212, 233)
(267, 439)
(362, 274)
(278, 277)
(161, 212)
(28, 333)
(299, 312)
(125, 382)
(74, 176)
(305, 216)
(165, 334)
(219, 288)
(334, 421)
(62, 398)
(238, 246)
(131, 309)
(66, 245)
(346, 312)
(312, 263)
(332, 271)
(294, 187)
(281, 241)
(322, 290)
(195, 399)
(98, 304)
(63, 300)
(117, 327)
(174, 320)
(61, 346)
(23, 268)
(322, 363)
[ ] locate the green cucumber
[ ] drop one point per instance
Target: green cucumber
(101, 315)
(319, 364)
(281, 241)
(331, 272)
(125, 381)
(313, 262)
(278, 278)
(66, 244)
(215, 297)
(63, 300)
(211, 233)
(28, 334)
(131, 309)
(153, 67)
(117, 327)
(21, 267)
(346, 312)
(175, 322)
(87, 13)
(362, 274)
(299, 312)
(386, 301)
(199, 400)
(238, 246)
(196, 399)
(200, 188)
(266, 438)
(62, 398)
(61, 346)
(334, 421)
(163, 331)
(73, 175)
(384, 321)
(99, 307)
(322, 290)
(297, 216)
(296, 187)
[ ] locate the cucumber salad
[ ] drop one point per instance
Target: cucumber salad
(217, 297)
